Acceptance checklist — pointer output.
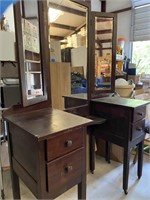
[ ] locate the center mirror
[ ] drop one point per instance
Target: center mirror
(68, 27)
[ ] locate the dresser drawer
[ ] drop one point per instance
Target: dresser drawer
(65, 172)
(138, 129)
(64, 143)
(139, 113)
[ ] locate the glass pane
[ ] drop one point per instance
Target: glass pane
(31, 49)
(103, 52)
(68, 41)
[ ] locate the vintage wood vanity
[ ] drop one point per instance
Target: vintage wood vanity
(47, 146)
(124, 118)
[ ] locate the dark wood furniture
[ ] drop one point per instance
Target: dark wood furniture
(46, 146)
(124, 126)
(47, 151)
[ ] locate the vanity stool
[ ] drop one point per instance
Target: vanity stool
(124, 126)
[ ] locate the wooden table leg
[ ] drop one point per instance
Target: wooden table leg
(126, 169)
(92, 152)
(108, 144)
(82, 189)
(140, 159)
(15, 185)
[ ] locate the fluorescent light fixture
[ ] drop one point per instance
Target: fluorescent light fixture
(54, 14)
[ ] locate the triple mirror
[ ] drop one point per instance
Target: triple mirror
(76, 35)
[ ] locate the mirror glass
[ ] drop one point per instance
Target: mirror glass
(31, 47)
(103, 53)
(68, 41)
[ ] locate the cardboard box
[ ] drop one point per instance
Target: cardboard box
(116, 152)
(135, 78)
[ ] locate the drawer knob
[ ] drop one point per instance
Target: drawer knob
(68, 169)
(68, 143)
(139, 129)
(141, 113)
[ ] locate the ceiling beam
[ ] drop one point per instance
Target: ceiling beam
(55, 37)
(104, 41)
(67, 9)
(104, 31)
(122, 10)
(62, 26)
(103, 19)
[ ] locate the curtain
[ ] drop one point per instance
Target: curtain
(140, 27)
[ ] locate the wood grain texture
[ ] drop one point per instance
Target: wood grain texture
(60, 74)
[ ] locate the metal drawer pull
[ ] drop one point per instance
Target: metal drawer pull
(140, 113)
(68, 169)
(68, 143)
(139, 129)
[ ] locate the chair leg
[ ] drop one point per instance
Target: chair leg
(108, 145)
(136, 155)
(92, 152)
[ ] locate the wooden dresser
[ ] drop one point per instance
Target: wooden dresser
(124, 126)
(47, 151)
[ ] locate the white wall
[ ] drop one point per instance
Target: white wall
(113, 5)
(9, 14)
(124, 29)
(78, 58)
(96, 5)
(55, 52)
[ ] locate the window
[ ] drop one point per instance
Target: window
(141, 56)
(141, 35)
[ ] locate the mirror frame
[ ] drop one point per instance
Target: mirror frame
(44, 51)
(92, 93)
(88, 6)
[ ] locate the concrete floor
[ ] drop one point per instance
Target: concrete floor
(104, 184)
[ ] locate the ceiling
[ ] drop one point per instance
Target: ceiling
(73, 18)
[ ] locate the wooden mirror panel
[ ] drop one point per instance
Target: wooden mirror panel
(103, 54)
(31, 24)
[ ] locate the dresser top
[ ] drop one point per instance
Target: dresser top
(42, 123)
(119, 101)
(77, 96)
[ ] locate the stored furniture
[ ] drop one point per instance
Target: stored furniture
(124, 126)
(46, 145)
(125, 118)
(47, 151)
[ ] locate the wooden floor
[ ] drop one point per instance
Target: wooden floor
(104, 184)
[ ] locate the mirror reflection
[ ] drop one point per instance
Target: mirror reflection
(103, 52)
(31, 46)
(68, 41)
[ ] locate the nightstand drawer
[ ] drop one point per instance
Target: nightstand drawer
(139, 113)
(64, 143)
(138, 130)
(65, 172)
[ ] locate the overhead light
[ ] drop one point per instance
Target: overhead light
(54, 14)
